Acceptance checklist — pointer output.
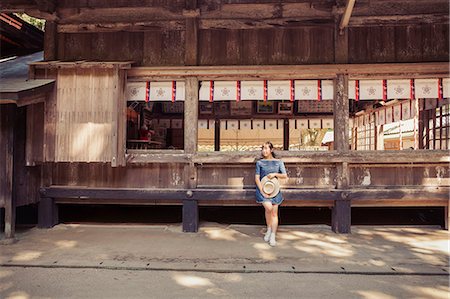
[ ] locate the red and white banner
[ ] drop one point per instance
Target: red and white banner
(426, 88)
(399, 89)
(446, 87)
(279, 90)
(306, 90)
(327, 89)
(252, 90)
(371, 89)
(156, 91)
(225, 90)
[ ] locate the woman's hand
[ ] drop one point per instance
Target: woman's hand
(272, 175)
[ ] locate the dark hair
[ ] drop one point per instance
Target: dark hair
(271, 148)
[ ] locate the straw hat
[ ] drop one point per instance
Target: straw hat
(270, 186)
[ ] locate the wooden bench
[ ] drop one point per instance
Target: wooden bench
(339, 200)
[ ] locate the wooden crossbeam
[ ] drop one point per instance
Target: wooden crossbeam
(347, 13)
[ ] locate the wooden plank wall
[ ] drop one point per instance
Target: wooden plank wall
(412, 43)
(26, 179)
(84, 114)
(307, 45)
(301, 45)
(144, 48)
(34, 146)
(301, 176)
(156, 175)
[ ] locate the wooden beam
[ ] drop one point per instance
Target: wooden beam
(121, 26)
(326, 71)
(351, 157)
(340, 45)
(419, 196)
(50, 41)
(398, 20)
(347, 14)
(191, 47)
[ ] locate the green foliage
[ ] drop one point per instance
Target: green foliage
(39, 23)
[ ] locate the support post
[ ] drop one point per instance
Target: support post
(190, 206)
(341, 220)
(447, 216)
(8, 126)
(47, 213)
(190, 216)
(341, 214)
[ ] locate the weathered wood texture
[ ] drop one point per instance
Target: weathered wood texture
(240, 176)
(84, 116)
(271, 46)
(150, 48)
(413, 43)
(34, 144)
(103, 175)
(26, 179)
(307, 45)
(400, 175)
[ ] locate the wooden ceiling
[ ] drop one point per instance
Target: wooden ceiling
(232, 14)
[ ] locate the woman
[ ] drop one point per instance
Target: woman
(272, 168)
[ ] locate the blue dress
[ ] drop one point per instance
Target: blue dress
(263, 168)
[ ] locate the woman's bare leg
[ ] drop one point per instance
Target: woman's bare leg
(274, 220)
(268, 207)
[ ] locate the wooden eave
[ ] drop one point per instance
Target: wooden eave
(22, 93)
(240, 14)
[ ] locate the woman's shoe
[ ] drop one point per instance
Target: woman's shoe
(272, 241)
(267, 235)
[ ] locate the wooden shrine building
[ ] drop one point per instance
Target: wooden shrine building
(168, 102)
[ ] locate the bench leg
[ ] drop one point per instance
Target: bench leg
(190, 216)
(447, 216)
(47, 213)
(2, 219)
(341, 216)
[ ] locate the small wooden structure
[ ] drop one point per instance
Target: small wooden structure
(111, 61)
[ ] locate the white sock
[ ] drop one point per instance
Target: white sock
(272, 241)
(268, 234)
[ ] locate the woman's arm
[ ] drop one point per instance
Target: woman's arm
(277, 175)
(258, 184)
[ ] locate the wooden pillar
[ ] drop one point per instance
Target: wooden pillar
(47, 213)
(341, 214)
(286, 135)
(217, 135)
(340, 44)
(191, 12)
(341, 114)
(190, 206)
(50, 41)
(8, 117)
